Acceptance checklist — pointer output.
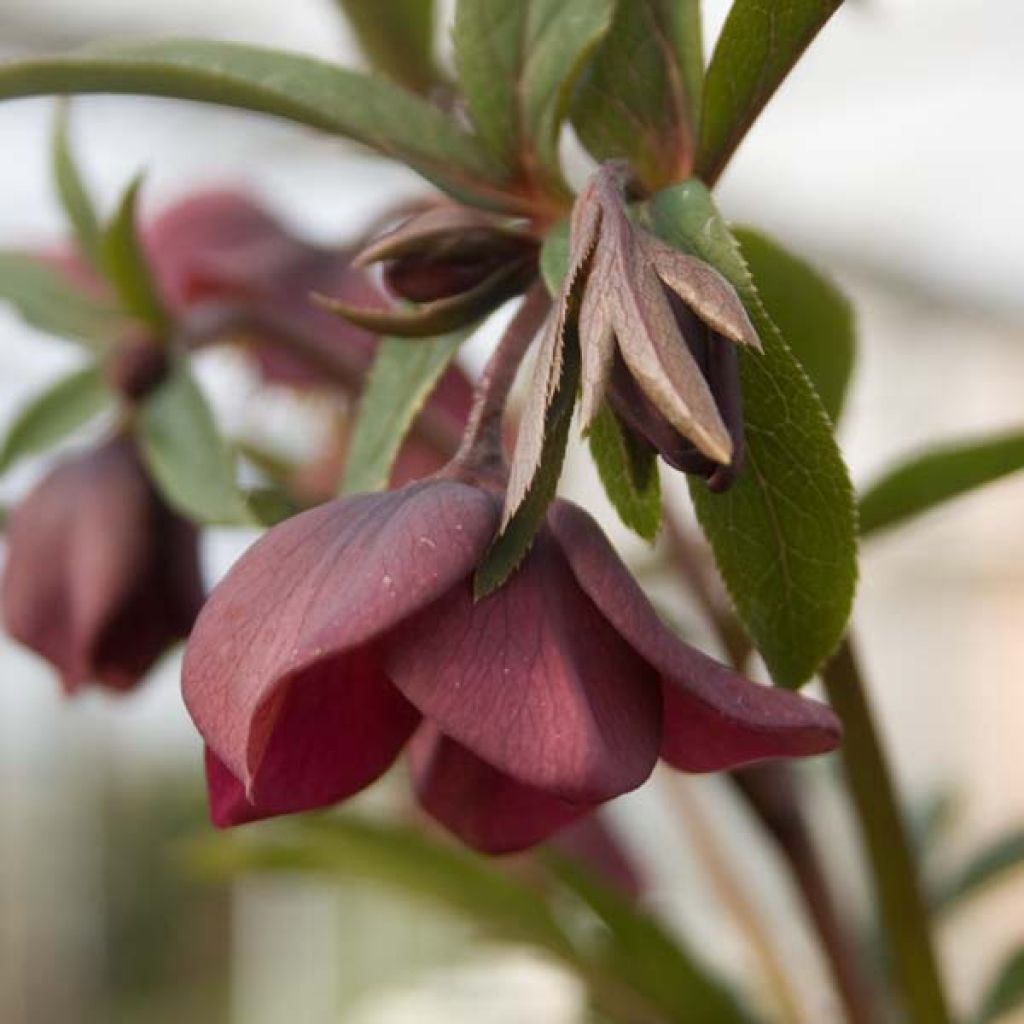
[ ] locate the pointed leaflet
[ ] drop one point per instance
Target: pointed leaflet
(937, 476)
(639, 97)
(814, 316)
(301, 89)
(1005, 992)
(186, 454)
(784, 536)
(400, 381)
(47, 299)
(74, 196)
(125, 265)
(517, 532)
(51, 416)
(398, 38)
(517, 62)
(629, 472)
(760, 42)
(1003, 857)
(629, 479)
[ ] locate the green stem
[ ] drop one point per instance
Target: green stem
(904, 915)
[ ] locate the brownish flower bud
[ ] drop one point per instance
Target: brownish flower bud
(137, 366)
(101, 576)
(457, 263)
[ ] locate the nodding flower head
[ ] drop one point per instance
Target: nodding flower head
(351, 631)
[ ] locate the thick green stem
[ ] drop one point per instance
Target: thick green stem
(904, 915)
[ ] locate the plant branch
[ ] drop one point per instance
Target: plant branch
(732, 894)
(870, 781)
(772, 793)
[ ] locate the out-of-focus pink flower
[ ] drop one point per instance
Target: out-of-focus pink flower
(221, 249)
(101, 576)
(351, 627)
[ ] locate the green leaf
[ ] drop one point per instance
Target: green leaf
(815, 318)
(759, 44)
(47, 299)
(298, 88)
(634, 947)
(55, 413)
(518, 61)
(402, 377)
(554, 256)
(629, 472)
(393, 856)
(397, 37)
(74, 196)
(634, 100)
(186, 454)
(1006, 991)
(126, 267)
(784, 536)
(928, 480)
(988, 866)
(512, 544)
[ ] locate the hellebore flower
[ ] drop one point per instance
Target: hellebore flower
(101, 576)
(458, 264)
(350, 628)
(655, 328)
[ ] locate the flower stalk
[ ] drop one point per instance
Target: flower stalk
(870, 781)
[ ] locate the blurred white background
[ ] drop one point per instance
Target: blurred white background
(892, 158)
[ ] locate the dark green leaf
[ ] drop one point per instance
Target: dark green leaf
(629, 472)
(402, 377)
(512, 544)
(398, 38)
(634, 100)
(311, 92)
(988, 866)
(1006, 991)
(74, 196)
(760, 42)
(784, 536)
(53, 415)
(48, 300)
(186, 454)
(394, 856)
(815, 318)
(125, 265)
(517, 62)
(635, 948)
(928, 480)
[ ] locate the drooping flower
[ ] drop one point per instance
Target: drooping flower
(350, 628)
(656, 330)
(101, 576)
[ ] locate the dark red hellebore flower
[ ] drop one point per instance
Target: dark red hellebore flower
(348, 629)
(101, 576)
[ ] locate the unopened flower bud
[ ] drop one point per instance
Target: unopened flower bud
(137, 366)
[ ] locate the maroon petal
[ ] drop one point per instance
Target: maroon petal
(277, 659)
(336, 728)
(533, 680)
(715, 719)
(487, 810)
